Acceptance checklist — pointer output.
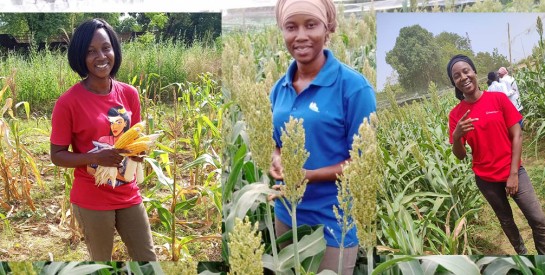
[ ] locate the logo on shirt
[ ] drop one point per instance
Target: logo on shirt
(313, 107)
(491, 112)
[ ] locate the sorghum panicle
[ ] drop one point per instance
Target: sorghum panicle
(245, 249)
(293, 157)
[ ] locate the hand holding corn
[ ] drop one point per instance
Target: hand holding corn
(131, 143)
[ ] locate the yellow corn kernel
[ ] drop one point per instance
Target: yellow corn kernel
(129, 136)
(137, 147)
(143, 138)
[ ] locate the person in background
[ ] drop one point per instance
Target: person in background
(333, 99)
(499, 174)
(512, 88)
(494, 84)
(79, 120)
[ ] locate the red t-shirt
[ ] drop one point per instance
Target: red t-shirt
(88, 121)
(490, 143)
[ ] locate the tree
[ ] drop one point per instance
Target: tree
(416, 59)
(450, 44)
(42, 26)
(486, 62)
(188, 27)
(185, 27)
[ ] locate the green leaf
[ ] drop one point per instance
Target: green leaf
(312, 264)
(410, 268)
(309, 245)
(499, 266)
(250, 196)
(453, 263)
(186, 205)
(27, 108)
(523, 264)
(133, 268)
(234, 174)
(159, 172)
(72, 269)
(381, 268)
(200, 160)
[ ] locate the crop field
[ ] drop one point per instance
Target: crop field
(180, 97)
(427, 200)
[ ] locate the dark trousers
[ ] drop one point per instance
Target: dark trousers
(527, 201)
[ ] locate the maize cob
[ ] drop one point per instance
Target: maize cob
(129, 136)
(130, 170)
(136, 148)
(139, 173)
(142, 138)
(103, 174)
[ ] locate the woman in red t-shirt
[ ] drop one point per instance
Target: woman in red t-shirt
(82, 119)
(488, 122)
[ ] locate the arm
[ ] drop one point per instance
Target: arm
(60, 156)
(462, 128)
(458, 149)
(515, 134)
(328, 173)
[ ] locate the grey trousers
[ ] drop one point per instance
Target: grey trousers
(527, 201)
(131, 223)
(331, 257)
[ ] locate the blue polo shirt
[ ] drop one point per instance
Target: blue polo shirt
(333, 107)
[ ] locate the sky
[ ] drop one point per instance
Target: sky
(485, 30)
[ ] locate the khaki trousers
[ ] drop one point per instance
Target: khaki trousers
(131, 223)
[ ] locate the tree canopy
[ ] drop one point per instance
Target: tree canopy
(184, 27)
(418, 57)
(42, 26)
(415, 58)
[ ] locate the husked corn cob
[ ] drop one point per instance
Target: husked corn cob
(129, 136)
(136, 148)
(103, 174)
(143, 138)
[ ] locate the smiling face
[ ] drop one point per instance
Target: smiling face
(305, 37)
(100, 57)
(117, 124)
(465, 79)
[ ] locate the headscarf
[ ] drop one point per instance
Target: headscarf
(455, 59)
(502, 71)
(324, 10)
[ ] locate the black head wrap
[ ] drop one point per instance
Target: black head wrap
(455, 59)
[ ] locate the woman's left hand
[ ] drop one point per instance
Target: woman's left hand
(137, 158)
(512, 186)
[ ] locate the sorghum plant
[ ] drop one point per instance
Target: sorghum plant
(294, 155)
(245, 249)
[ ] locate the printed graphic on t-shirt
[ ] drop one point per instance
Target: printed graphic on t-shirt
(120, 122)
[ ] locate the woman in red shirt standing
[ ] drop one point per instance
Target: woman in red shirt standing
(80, 120)
(488, 122)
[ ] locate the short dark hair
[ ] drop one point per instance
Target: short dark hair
(79, 45)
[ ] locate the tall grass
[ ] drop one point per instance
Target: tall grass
(41, 76)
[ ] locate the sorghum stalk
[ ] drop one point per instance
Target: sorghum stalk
(293, 157)
(342, 213)
(245, 249)
(253, 100)
(362, 176)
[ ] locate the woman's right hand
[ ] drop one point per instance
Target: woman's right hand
(109, 157)
(276, 170)
(464, 126)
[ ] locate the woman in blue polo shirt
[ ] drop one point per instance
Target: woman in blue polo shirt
(333, 100)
